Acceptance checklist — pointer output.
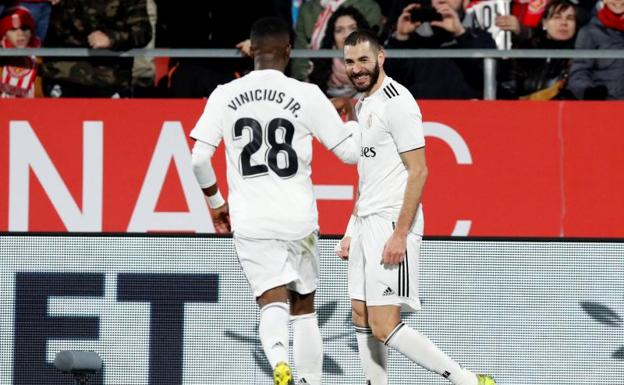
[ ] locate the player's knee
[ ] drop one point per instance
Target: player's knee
(382, 327)
(359, 316)
(381, 330)
(301, 308)
(301, 304)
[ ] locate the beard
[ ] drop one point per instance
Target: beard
(374, 75)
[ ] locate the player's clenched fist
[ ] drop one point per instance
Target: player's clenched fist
(221, 219)
(342, 248)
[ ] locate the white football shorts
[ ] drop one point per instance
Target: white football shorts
(372, 281)
(269, 263)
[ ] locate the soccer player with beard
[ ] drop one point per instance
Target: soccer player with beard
(266, 121)
(383, 238)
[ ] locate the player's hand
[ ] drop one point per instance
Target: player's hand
(342, 248)
(394, 249)
(508, 23)
(405, 25)
(245, 47)
(221, 219)
(99, 40)
(450, 20)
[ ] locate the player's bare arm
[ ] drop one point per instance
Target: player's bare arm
(415, 163)
(205, 175)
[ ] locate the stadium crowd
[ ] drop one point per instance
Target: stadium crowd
(444, 24)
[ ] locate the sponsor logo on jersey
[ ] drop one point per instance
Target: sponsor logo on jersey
(368, 152)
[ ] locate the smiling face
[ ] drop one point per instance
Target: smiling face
(616, 6)
(343, 28)
(364, 64)
(561, 24)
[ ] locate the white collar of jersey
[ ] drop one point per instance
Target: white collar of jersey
(265, 71)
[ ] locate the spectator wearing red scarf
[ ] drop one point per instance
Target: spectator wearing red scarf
(600, 79)
(17, 30)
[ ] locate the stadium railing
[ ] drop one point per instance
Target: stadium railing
(489, 56)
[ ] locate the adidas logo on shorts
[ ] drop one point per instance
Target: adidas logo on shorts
(302, 381)
(388, 291)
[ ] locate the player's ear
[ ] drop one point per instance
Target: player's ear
(381, 57)
(287, 51)
(252, 51)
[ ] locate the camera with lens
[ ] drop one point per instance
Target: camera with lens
(424, 13)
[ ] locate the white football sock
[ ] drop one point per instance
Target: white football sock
(418, 348)
(273, 331)
(373, 356)
(307, 348)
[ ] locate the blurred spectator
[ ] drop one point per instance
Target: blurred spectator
(312, 23)
(143, 68)
(528, 13)
(543, 79)
(40, 10)
(97, 24)
(209, 24)
(488, 15)
(330, 74)
(439, 78)
(600, 79)
(18, 75)
(521, 23)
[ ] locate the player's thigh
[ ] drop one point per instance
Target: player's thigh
(387, 284)
(264, 263)
(303, 261)
(356, 266)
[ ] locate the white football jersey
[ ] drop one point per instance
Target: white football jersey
(390, 123)
(267, 121)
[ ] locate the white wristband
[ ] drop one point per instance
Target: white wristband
(350, 226)
(216, 200)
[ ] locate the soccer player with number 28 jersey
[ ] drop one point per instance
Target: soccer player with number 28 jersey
(267, 122)
(383, 238)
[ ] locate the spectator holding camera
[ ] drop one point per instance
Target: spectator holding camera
(600, 79)
(543, 79)
(444, 25)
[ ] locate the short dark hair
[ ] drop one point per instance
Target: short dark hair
(557, 6)
(362, 36)
(269, 27)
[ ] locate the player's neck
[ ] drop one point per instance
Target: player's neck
(262, 62)
(377, 85)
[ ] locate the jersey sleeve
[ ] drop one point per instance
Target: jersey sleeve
(404, 122)
(324, 121)
(209, 127)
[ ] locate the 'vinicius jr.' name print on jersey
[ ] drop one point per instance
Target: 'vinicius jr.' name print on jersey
(259, 95)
